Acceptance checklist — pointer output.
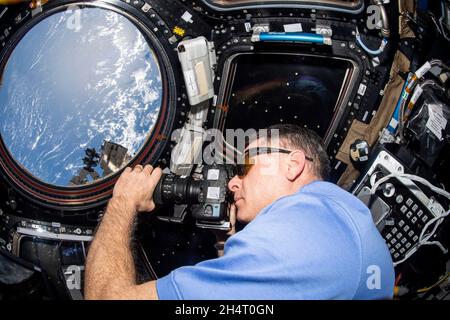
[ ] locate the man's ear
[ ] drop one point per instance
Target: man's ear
(296, 165)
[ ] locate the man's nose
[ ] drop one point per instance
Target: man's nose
(234, 184)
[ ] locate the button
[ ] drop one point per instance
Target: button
(399, 235)
(404, 240)
(415, 238)
(409, 214)
(408, 245)
(406, 228)
(403, 209)
(402, 250)
(401, 223)
(392, 251)
(415, 207)
(393, 241)
(396, 256)
(414, 219)
(409, 202)
(424, 218)
(146, 7)
(420, 213)
(397, 246)
(388, 190)
(411, 233)
(138, 3)
(388, 236)
(394, 230)
(399, 199)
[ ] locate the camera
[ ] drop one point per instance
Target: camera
(206, 198)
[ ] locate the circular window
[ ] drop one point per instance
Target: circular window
(85, 91)
(80, 93)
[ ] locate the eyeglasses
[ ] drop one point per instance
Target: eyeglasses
(243, 169)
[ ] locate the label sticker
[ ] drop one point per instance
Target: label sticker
(293, 27)
(436, 121)
(191, 82)
(187, 17)
(213, 174)
(416, 94)
(393, 123)
(362, 89)
(423, 69)
(213, 193)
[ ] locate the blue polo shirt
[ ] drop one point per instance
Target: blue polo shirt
(319, 243)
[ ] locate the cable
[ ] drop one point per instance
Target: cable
(385, 31)
(409, 87)
(376, 52)
(444, 277)
(423, 239)
(413, 178)
(225, 155)
(231, 147)
(438, 221)
(84, 250)
(419, 90)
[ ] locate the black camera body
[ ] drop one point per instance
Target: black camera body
(206, 199)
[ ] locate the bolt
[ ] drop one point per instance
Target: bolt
(13, 204)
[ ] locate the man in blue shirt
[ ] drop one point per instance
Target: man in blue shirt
(304, 238)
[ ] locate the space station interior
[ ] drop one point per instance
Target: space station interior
(88, 88)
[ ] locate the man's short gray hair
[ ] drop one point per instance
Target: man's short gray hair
(295, 137)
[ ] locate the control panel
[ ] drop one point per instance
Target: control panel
(400, 209)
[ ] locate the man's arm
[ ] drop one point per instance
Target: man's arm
(110, 272)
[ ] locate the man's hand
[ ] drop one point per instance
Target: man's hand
(110, 271)
(136, 187)
(222, 236)
(233, 211)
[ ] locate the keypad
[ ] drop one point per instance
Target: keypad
(405, 220)
(409, 217)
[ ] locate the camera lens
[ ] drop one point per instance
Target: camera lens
(177, 189)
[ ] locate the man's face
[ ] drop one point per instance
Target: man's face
(263, 184)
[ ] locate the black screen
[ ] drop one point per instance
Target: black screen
(284, 88)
